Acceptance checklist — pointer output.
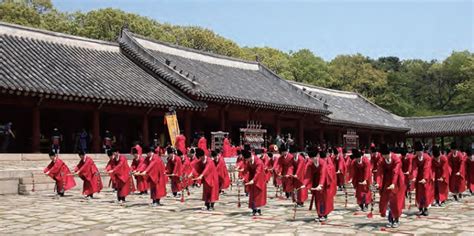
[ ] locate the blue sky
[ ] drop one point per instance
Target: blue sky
(408, 29)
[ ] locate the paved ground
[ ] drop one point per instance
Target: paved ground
(42, 213)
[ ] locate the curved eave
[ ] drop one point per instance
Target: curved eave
(138, 53)
(365, 126)
(441, 133)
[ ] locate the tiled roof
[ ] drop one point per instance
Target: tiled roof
(42, 63)
(448, 125)
(210, 77)
(352, 109)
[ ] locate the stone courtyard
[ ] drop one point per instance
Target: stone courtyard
(40, 212)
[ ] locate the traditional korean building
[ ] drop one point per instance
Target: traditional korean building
(51, 80)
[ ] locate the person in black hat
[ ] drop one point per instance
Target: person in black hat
(221, 168)
(361, 179)
(60, 173)
(407, 161)
(174, 168)
(441, 176)
(285, 170)
(153, 169)
(255, 181)
(206, 170)
(142, 185)
(316, 180)
(457, 182)
(299, 166)
(375, 159)
(470, 170)
(392, 186)
(121, 174)
(422, 177)
(88, 172)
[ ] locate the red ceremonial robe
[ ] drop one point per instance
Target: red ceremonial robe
(285, 167)
(210, 180)
(470, 173)
(340, 165)
(314, 176)
(202, 144)
(360, 172)
(331, 179)
(221, 168)
(142, 184)
(274, 165)
(187, 170)
(121, 172)
(156, 177)
(375, 159)
(407, 166)
(226, 148)
(441, 170)
(88, 172)
(387, 174)
(257, 190)
(61, 174)
(180, 143)
(422, 170)
(268, 166)
(457, 183)
(110, 166)
(348, 163)
(174, 167)
(299, 165)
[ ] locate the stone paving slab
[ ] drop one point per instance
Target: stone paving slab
(43, 213)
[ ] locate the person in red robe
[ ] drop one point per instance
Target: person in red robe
(205, 170)
(285, 170)
(441, 176)
(423, 179)
(392, 186)
(180, 142)
(375, 158)
(316, 181)
(299, 167)
(154, 169)
(470, 170)
(407, 166)
(122, 175)
(88, 172)
(256, 181)
(457, 181)
(267, 159)
(60, 173)
(142, 184)
(221, 168)
(226, 147)
(202, 144)
(331, 179)
(361, 178)
(341, 168)
(187, 169)
(174, 168)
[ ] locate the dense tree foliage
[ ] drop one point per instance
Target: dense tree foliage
(404, 87)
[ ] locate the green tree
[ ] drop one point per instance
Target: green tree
(306, 67)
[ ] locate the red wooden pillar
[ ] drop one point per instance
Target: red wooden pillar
(187, 126)
(278, 125)
(145, 131)
(321, 135)
(222, 119)
(433, 140)
(301, 133)
(96, 131)
(36, 130)
(339, 137)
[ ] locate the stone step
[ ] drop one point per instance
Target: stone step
(9, 185)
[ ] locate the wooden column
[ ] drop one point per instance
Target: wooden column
(321, 135)
(187, 126)
(277, 125)
(382, 138)
(370, 138)
(145, 131)
(301, 133)
(96, 131)
(442, 143)
(222, 119)
(36, 130)
(433, 141)
(339, 137)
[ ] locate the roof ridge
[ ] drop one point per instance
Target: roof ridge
(179, 47)
(327, 89)
(438, 116)
(58, 34)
